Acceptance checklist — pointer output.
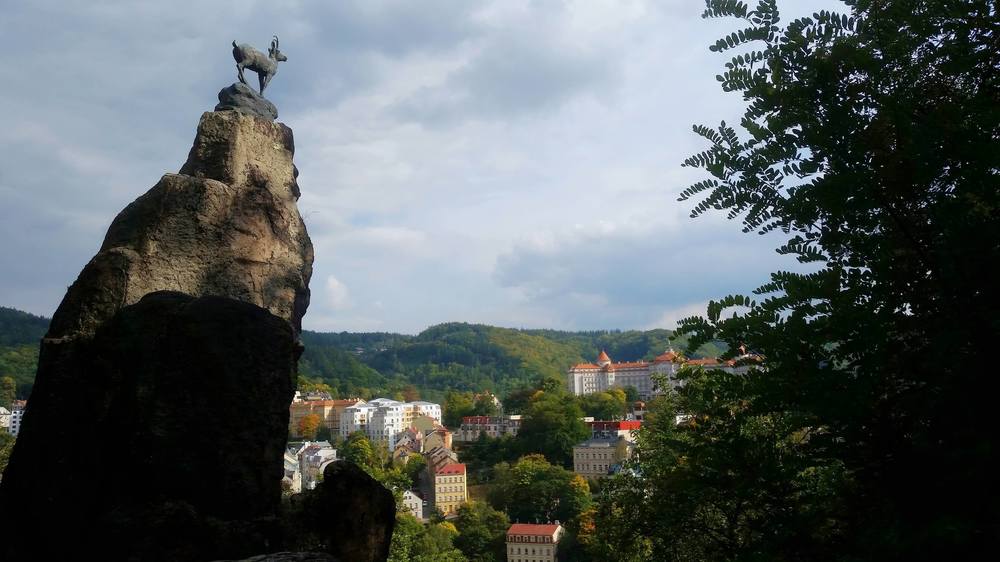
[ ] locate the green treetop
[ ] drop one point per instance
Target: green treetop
(870, 143)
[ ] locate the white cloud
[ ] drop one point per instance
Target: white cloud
(337, 294)
(670, 317)
(511, 162)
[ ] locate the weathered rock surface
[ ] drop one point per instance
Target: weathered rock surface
(349, 515)
(159, 438)
(242, 98)
(159, 414)
(226, 225)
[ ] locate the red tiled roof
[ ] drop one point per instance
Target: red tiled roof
(531, 529)
(629, 365)
(702, 362)
(603, 357)
(453, 468)
(664, 357)
(617, 425)
(328, 402)
(585, 366)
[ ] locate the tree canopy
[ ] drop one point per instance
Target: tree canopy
(534, 490)
(870, 142)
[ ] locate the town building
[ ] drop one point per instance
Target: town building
(596, 458)
(413, 503)
(329, 412)
(421, 437)
(493, 426)
(17, 409)
(586, 378)
(439, 457)
(311, 395)
(450, 490)
(292, 480)
(382, 419)
(614, 429)
(4, 419)
(314, 456)
(533, 543)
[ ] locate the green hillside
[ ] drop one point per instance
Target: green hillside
(21, 328)
(452, 356)
(20, 333)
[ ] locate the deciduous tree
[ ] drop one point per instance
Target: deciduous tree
(482, 532)
(533, 490)
(8, 391)
(308, 426)
(551, 426)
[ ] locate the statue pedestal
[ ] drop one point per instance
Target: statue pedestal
(243, 98)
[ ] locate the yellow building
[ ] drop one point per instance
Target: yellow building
(533, 543)
(328, 411)
(450, 491)
(594, 458)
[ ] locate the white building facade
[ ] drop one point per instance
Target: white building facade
(314, 456)
(533, 543)
(586, 378)
(493, 426)
(383, 419)
(17, 415)
(413, 503)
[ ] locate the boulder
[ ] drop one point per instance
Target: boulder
(349, 515)
(242, 98)
(159, 438)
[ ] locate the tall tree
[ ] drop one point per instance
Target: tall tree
(358, 450)
(456, 406)
(8, 391)
(482, 532)
(870, 140)
(308, 426)
(533, 490)
(551, 426)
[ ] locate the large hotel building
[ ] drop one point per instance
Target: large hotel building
(585, 378)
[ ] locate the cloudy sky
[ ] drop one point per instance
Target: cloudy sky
(515, 163)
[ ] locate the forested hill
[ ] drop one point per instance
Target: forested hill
(453, 356)
(20, 333)
(466, 357)
(20, 328)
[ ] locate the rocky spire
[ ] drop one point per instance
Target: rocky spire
(159, 415)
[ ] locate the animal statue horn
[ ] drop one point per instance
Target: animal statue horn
(266, 66)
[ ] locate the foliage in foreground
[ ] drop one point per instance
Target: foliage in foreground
(870, 140)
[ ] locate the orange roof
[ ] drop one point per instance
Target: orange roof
(603, 357)
(706, 361)
(615, 425)
(613, 366)
(629, 365)
(453, 468)
(531, 529)
(668, 356)
(349, 402)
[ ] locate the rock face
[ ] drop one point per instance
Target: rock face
(349, 515)
(226, 225)
(156, 426)
(242, 98)
(170, 421)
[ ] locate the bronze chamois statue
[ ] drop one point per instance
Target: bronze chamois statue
(265, 66)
